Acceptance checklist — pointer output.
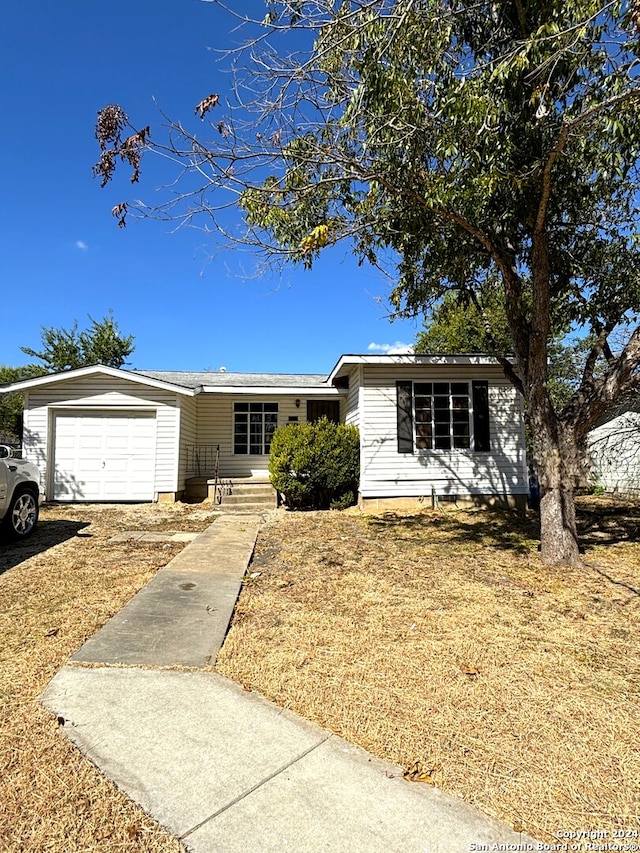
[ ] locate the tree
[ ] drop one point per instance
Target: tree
(67, 349)
(464, 144)
(455, 326)
(12, 405)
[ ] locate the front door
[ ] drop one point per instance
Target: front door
(329, 409)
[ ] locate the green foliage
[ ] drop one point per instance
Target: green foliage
(67, 349)
(62, 349)
(491, 149)
(12, 405)
(566, 367)
(316, 465)
(457, 325)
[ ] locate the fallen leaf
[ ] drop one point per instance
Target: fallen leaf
(469, 670)
(133, 831)
(417, 773)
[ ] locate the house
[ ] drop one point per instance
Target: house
(613, 449)
(431, 428)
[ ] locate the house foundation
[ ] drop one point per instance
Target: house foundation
(459, 501)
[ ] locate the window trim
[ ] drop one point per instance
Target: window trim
(242, 407)
(478, 417)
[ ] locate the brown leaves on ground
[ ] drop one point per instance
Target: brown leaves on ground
(440, 639)
(57, 589)
(417, 773)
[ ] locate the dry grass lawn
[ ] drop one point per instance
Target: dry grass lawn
(438, 637)
(435, 637)
(56, 590)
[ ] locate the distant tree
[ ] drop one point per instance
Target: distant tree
(459, 325)
(12, 405)
(456, 324)
(67, 349)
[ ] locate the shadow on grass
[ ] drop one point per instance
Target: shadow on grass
(599, 523)
(605, 523)
(501, 529)
(47, 535)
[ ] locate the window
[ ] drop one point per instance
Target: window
(442, 416)
(253, 427)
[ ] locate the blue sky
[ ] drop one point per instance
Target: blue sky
(62, 256)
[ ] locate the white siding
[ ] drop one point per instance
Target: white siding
(352, 410)
(614, 449)
(95, 393)
(387, 473)
(188, 435)
(215, 426)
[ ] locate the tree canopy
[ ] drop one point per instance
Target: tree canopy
(12, 405)
(457, 326)
(61, 349)
(67, 349)
(465, 146)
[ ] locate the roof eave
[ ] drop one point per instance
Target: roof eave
(103, 370)
(298, 390)
(350, 360)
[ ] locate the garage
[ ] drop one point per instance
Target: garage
(104, 456)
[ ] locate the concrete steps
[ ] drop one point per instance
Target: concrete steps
(243, 495)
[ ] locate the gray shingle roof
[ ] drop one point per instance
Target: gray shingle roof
(188, 379)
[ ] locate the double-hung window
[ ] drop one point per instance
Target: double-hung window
(253, 427)
(442, 416)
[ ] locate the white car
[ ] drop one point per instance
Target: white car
(19, 495)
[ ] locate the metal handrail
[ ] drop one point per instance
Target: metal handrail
(202, 460)
(217, 498)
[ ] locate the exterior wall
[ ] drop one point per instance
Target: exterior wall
(352, 405)
(614, 451)
(95, 393)
(215, 427)
(385, 473)
(187, 437)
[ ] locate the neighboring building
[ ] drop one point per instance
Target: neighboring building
(431, 427)
(613, 449)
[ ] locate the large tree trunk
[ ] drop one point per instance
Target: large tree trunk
(558, 535)
(554, 444)
(558, 466)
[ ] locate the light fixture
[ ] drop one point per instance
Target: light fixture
(297, 404)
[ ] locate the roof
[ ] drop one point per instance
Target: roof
(190, 383)
(224, 379)
(345, 362)
(81, 372)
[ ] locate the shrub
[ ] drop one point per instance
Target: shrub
(316, 465)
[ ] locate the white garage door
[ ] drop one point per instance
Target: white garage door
(104, 456)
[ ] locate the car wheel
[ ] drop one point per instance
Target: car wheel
(22, 517)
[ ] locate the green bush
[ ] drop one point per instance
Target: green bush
(316, 465)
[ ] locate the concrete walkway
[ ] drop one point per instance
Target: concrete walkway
(180, 618)
(220, 767)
